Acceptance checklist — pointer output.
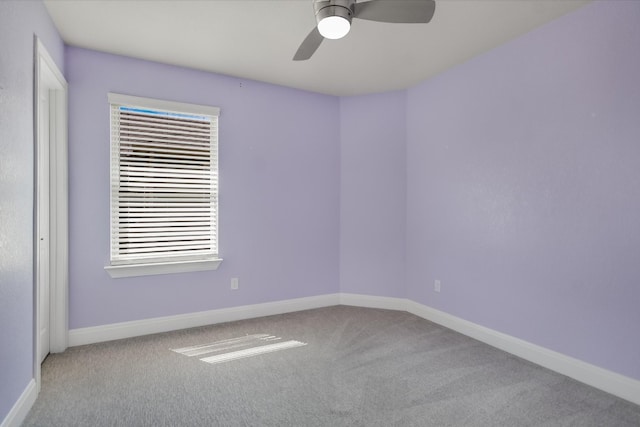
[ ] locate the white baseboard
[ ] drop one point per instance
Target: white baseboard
(611, 382)
(21, 408)
(370, 301)
(603, 379)
(114, 331)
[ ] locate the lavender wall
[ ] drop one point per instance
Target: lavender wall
(19, 21)
(517, 173)
(279, 197)
(523, 188)
(372, 194)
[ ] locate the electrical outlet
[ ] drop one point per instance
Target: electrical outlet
(234, 283)
(436, 286)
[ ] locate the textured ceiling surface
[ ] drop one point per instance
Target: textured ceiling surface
(256, 39)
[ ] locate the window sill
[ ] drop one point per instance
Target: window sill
(133, 270)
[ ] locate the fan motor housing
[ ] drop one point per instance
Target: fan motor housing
(326, 8)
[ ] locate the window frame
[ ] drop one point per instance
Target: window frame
(131, 267)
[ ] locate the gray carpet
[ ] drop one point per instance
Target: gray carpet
(359, 367)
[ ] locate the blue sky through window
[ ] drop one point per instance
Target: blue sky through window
(165, 113)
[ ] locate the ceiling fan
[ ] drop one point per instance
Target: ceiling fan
(334, 18)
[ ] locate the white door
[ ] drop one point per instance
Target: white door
(51, 286)
(43, 220)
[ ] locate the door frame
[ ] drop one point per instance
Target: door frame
(48, 76)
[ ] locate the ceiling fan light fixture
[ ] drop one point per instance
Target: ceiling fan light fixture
(334, 19)
(334, 27)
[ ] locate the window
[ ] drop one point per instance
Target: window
(164, 187)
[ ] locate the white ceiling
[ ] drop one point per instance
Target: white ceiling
(256, 39)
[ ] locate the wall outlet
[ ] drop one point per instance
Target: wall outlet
(436, 286)
(234, 283)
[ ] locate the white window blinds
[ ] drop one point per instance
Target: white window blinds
(164, 181)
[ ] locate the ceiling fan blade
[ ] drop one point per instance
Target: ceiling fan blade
(396, 11)
(309, 45)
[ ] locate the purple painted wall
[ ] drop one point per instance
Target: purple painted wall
(19, 21)
(512, 178)
(372, 194)
(279, 197)
(523, 188)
